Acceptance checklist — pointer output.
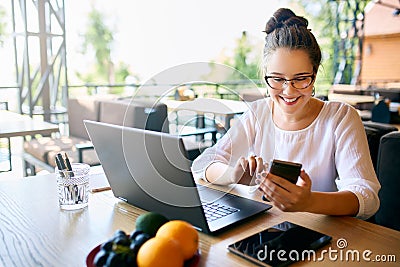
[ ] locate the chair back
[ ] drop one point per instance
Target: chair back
(137, 114)
(388, 172)
(79, 109)
(380, 112)
(375, 131)
(83, 108)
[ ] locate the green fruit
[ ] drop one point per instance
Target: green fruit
(150, 222)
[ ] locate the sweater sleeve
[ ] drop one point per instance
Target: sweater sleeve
(353, 162)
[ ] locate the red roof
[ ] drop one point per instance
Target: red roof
(379, 19)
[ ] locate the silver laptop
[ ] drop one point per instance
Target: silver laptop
(150, 170)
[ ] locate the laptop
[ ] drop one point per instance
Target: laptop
(150, 170)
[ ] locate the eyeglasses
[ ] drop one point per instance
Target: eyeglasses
(279, 83)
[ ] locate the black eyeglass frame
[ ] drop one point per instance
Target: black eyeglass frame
(290, 80)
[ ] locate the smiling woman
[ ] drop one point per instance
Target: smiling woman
(295, 108)
(327, 138)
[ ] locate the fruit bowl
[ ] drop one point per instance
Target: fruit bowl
(192, 262)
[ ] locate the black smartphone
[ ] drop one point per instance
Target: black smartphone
(286, 169)
(281, 245)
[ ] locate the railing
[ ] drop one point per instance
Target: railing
(228, 90)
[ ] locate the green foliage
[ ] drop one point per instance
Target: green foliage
(243, 60)
(121, 72)
(3, 24)
(327, 22)
(100, 38)
(321, 15)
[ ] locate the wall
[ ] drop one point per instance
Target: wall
(381, 60)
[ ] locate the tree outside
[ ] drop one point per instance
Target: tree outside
(321, 17)
(3, 24)
(336, 25)
(98, 38)
(244, 58)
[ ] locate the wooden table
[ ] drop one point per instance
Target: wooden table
(223, 107)
(353, 100)
(13, 124)
(35, 232)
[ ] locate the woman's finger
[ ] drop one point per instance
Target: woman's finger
(252, 165)
(272, 193)
(304, 179)
(260, 164)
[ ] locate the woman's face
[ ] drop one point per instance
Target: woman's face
(290, 64)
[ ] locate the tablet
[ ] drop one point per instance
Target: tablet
(281, 245)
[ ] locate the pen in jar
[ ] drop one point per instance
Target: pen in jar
(59, 166)
(68, 163)
(60, 159)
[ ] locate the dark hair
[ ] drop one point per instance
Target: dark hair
(286, 30)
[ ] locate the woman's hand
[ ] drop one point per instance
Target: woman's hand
(285, 195)
(245, 170)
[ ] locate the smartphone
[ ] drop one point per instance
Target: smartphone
(286, 169)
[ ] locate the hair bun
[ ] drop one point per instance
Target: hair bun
(284, 17)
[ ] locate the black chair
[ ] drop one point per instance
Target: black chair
(375, 131)
(151, 116)
(388, 171)
(380, 112)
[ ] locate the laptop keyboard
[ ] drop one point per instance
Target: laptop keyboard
(214, 211)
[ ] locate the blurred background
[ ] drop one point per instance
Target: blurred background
(128, 42)
(53, 50)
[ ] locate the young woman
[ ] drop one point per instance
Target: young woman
(328, 138)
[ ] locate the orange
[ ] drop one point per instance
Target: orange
(160, 252)
(182, 232)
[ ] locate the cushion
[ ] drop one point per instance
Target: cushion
(137, 114)
(83, 108)
(46, 148)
